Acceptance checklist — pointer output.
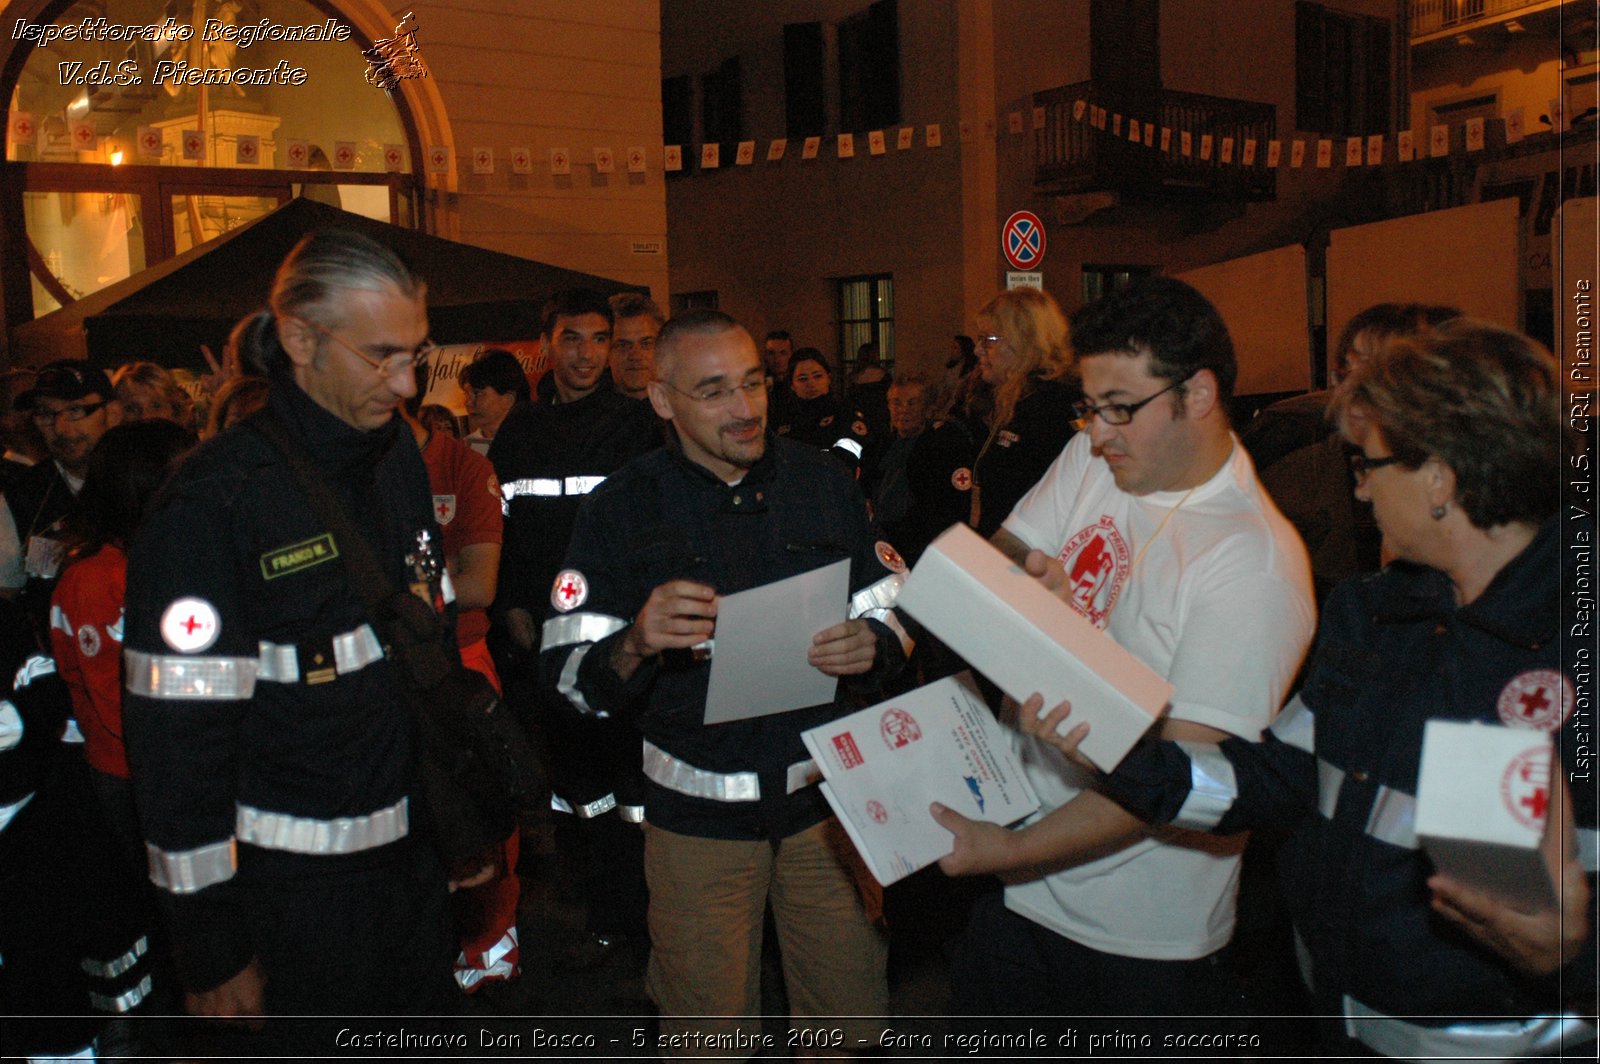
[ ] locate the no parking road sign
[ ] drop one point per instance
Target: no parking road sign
(1022, 239)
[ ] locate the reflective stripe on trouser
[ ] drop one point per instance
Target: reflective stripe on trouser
(1505, 1040)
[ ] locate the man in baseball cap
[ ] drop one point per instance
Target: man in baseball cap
(72, 404)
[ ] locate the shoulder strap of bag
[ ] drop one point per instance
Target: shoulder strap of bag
(367, 577)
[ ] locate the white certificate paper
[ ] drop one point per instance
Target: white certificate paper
(883, 766)
(759, 666)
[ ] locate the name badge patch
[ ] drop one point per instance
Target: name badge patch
(298, 556)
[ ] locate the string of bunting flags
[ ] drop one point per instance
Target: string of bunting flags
(153, 143)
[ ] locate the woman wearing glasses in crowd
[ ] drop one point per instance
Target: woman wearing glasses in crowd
(1456, 441)
(1023, 357)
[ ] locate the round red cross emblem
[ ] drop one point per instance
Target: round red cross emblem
(1540, 699)
(570, 591)
(1525, 787)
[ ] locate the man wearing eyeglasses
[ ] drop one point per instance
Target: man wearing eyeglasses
(72, 404)
(274, 757)
(1152, 525)
(733, 817)
(549, 455)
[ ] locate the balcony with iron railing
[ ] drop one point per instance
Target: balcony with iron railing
(1433, 17)
(1071, 156)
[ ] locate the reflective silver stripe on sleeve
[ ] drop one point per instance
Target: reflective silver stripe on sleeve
(680, 776)
(1589, 849)
(559, 804)
(878, 596)
(801, 775)
(845, 443)
(1393, 818)
(1537, 1036)
(187, 871)
(1296, 725)
(567, 684)
(8, 813)
(188, 676)
(579, 628)
(1213, 787)
(115, 630)
(115, 967)
(891, 622)
(11, 727)
(70, 733)
(35, 666)
(123, 1002)
(582, 485)
(59, 621)
(1329, 780)
(346, 834)
(633, 814)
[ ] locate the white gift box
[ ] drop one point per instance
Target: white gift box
(1483, 793)
(1010, 628)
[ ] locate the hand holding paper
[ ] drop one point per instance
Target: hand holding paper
(1536, 939)
(978, 847)
(677, 615)
(846, 649)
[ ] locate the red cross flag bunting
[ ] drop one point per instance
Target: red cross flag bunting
(1023, 241)
(344, 155)
(394, 156)
(248, 150)
(570, 590)
(635, 160)
(560, 162)
(194, 146)
(483, 160)
(190, 625)
(149, 142)
(84, 137)
(298, 153)
(605, 161)
(24, 129)
(521, 161)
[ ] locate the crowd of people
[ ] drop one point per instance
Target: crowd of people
(229, 785)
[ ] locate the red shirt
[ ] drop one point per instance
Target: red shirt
(86, 639)
(466, 503)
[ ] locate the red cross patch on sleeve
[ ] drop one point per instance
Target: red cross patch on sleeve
(570, 590)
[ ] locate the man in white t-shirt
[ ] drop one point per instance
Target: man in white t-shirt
(1152, 524)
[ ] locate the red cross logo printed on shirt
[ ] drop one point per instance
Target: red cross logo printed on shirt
(1540, 699)
(571, 590)
(191, 624)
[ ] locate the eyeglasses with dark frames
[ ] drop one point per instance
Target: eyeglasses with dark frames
(1120, 413)
(75, 412)
(1362, 463)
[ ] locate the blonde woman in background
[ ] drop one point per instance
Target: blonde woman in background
(1023, 356)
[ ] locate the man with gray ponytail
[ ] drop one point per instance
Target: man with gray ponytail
(273, 758)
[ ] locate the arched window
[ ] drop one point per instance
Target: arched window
(138, 129)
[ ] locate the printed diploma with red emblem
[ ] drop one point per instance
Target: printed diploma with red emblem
(884, 766)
